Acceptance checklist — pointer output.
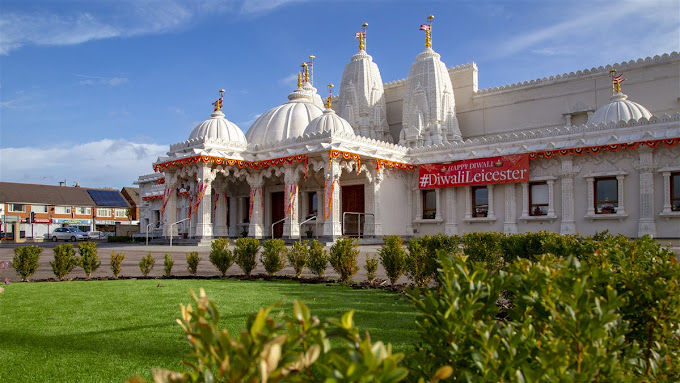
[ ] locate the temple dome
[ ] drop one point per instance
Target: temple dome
(220, 129)
(619, 109)
(329, 122)
(285, 121)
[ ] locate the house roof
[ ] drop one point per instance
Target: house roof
(131, 194)
(44, 194)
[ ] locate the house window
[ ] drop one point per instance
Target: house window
(480, 201)
(429, 204)
(17, 207)
(62, 210)
(103, 212)
(84, 210)
(538, 198)
(39, 208)
(675, 191)
(121, 213)
(606, 195)
(312, 203)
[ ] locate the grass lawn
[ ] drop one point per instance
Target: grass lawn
(107, 331)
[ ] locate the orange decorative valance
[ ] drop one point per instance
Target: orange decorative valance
(380, 163)
(601, 148)
(346, 155)
(301, 158)
(151, 198)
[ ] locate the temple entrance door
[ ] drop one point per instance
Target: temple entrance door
(353, 202)
(278, 213)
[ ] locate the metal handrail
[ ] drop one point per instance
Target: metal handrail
(172, 224)
(358, 220)
(147, 233)
(316, 226)
(277, 222)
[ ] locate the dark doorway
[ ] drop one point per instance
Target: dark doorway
(353, 202)
(278, 213)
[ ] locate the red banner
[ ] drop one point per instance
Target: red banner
(482, 171)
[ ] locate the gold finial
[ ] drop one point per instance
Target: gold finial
(299, 80)
(218, 104)
(362, 37)
(330, 95)
(428, 31)
(616, 81)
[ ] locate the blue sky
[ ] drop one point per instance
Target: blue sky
(94, 91)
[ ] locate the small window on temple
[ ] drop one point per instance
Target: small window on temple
(429, 204)
(675, 191)
(538, 198)
(480, 201)
(606, 195)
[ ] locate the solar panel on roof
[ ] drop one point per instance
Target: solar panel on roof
(107, 198)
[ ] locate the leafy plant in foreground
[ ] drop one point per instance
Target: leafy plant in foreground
(220, 255)
(89, 259)
(25, 261)
(64, 260)
(245, 253)
(343, 258)
(295, 348)
(146, 264)
(297, 257)
(116, 262)
(273, 257)
(168, 262)
(318, 258)
(192, 262)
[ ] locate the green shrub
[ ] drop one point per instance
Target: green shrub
(116, 262)
(192, 262)
(245, 253)
(146, 265)
(418, 265)
(393, 257)
(318, 258)
(220, 255)
(64, 260)
(484, 247)
(89, 259)
(273, 256)
(272, 348)
(25, 261)
(297, 257)
(371, 268)
(343, 258)
(167, 265)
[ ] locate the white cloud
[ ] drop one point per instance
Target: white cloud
(263, 6)
(98, 80)
(290, 80)
(24, 99)
(103, 163)
(622, 26)
(245, 125)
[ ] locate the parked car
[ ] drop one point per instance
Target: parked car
(68, 234)
(94, 235)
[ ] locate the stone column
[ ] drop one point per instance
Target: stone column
(510, 222)
(220, 214)
(568, 225)
(256, 228)
(451, 226)
(233, 216)
(204, 212)
(169, 216)
(525, 199)
(332, 227)
(291, 227)
(646, 223)
(377, 211)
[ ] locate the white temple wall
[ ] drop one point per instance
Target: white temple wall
(394, 210)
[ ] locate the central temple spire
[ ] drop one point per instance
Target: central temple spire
(428, 31)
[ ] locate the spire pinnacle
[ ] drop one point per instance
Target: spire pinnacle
(299, 80)
(310, 64)
(330, 95)
(362, 37)
(428, 31)
(616, 81)
(218, 104)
